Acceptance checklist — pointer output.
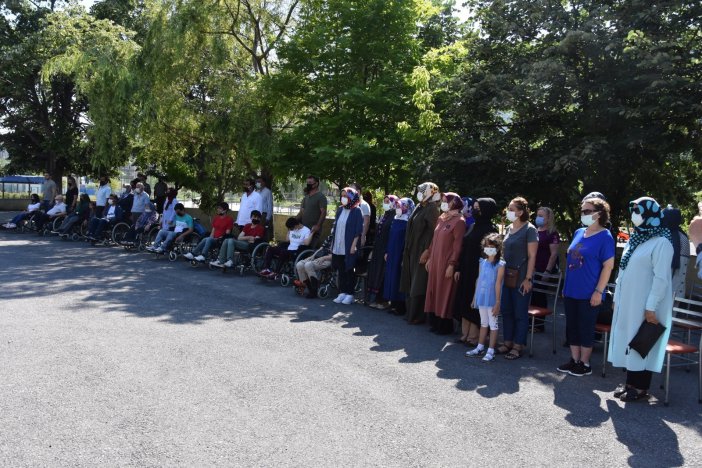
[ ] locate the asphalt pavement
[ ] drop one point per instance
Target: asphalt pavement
(114, 358)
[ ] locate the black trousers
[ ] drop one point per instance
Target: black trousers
(640, 380)
(347, 278)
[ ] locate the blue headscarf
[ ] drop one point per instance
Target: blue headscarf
(672, 219)
(652, 226)
(468, 211)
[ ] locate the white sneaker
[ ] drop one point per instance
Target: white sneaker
(228, 263)
(188, 256)
(199, 258)
(159, 250)
(216, 263)
(340, 298)
(348, 299)
(10, 225)
(150, 248)
(488, 357)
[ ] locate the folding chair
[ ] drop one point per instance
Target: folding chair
(550, 285)
(687, 314)
(605, 330)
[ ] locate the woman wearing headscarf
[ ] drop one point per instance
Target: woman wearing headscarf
(444, 253)
(672, 218)
(393, 256)
(420, 230)
(467, 211)
(348, 229)
(376, 269)
(643, 292)
(469, 266)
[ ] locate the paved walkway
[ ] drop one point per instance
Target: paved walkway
(117, 358)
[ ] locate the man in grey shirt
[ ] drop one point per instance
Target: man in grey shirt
(49, 191)
(266, 205)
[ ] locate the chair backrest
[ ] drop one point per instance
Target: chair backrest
(687, 312)
(695, 290)
(547, 283)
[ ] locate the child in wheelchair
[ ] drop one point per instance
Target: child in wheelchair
(298, 236)
(32, 209)
(179, 229)
(222, 226)
(250, 236)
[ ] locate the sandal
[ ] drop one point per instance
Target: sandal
(621, 390)
(513, 354)
(503, 349)
(634, 395)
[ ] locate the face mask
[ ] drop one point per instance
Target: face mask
(138, 190)
(511, 216)
(258, 185)
(102, 183)
(476, 213)
(344, 201)
(247, 188)
(387, 206)
(540, 221)
(490, 251)
(110, 201)
(444, 207)
(310, 187)
(637, 219)
(398, 211)
(255, 221)
(420, 197)
(587, 220)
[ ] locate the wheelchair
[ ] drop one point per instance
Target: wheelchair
(141, 239)
(175, 250)
(211, 255)
(78, 231)
(288, 272)
(328, 278)
(29, 223)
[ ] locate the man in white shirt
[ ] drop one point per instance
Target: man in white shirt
(250, 200)
(103, 191)
(267, 205)
(59, 209)
(365, 211)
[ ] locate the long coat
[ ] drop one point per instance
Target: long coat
(393, 269)
(645, 284)
(420, 230)
(445, 250)
(376, 270)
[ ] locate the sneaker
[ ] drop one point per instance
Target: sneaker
(199, 258)
(348, 299)
(215, 263)
(188, 256)
(580, 369)
(10, 225)
(477, 352)
(488, 357)
(228, 263)
(340, 298)
(150, 248)
(159, 250)
(566, 368)
(55, 232)
(265, 272)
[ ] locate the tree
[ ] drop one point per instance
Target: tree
(346, 70)
(557, 99)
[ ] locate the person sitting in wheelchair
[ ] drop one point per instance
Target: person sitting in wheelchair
(147, 219)
(80, 214)
(59, 209)
(249, 237)
(308, 268)
(222, 226)
(32, 209)
(112, 215)
(180, 228)
(298, 236)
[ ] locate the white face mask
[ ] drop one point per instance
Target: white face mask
(420, 197)
(490, 251)
(387, 206)
(511, 216)
(110, 202)
(344, 201)
(398, 211)
(444, 206)
(588, 220)
(637, 219)
(137, 190)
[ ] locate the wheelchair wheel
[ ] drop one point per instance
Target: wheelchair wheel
(257, 257)
(172, 256)
(75, 237)
(285, 280)
(56, 223)
(119, 231)
(323, 292)
(191, 243)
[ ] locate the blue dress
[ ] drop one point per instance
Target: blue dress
(393, 266)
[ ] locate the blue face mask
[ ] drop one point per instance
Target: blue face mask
(540, 221)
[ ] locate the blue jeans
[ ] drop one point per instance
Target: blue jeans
(514, 308)
(204, 246)
(164, 238)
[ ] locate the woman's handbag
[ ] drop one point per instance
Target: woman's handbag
(511, 277)
(646, 338)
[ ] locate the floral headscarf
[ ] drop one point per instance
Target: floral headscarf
(430, 192)
(407, 207)
(353, 196)
(652, 226)
(468, 210)
(390, 214)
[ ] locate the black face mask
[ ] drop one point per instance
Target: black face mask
(310, 187)
(255, 221)
(102, 182)
(247, 189)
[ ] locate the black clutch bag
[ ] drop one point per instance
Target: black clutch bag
(646, 338)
